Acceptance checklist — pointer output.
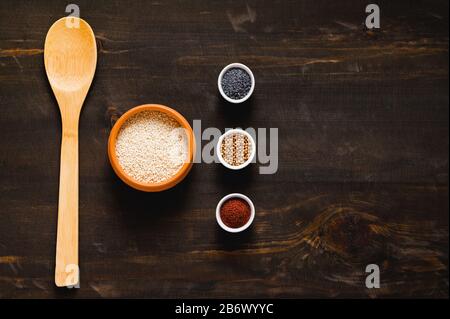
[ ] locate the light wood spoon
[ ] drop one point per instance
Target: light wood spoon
(70, 57)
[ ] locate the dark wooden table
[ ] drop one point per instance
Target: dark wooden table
(363, 150)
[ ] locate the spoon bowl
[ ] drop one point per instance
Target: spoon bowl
(70, 58)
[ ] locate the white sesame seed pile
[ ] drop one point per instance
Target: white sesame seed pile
(236, 149)
(151, 147)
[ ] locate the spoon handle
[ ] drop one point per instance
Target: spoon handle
(66, 270)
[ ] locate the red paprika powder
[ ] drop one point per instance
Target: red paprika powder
(235, 212)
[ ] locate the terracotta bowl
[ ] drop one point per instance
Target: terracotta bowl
(151, 187)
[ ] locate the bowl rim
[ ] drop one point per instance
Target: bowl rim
(250, 220)
(219, 82)
(250, 158)
(151, 187)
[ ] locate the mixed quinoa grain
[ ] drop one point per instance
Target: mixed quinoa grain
(236, 149)
(151, 147)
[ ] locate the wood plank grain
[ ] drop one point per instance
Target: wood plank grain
(363, 151)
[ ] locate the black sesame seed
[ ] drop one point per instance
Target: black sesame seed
(236, 83)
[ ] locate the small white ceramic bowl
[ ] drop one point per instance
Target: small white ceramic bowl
(252, 213)
(252, 153)
(240, 66)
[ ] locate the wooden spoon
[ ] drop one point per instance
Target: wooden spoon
(70, 57)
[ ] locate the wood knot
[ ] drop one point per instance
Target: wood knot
(112, 115)
(348, 233)
(99, 43)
